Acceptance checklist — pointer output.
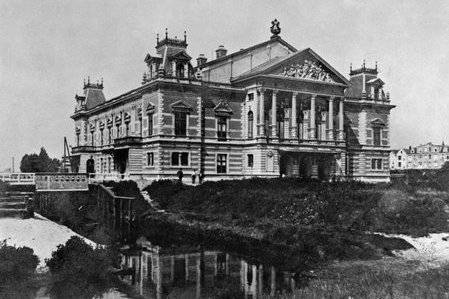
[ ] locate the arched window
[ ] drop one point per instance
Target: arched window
(250, 124)
(180, 70)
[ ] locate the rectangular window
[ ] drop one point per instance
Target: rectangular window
(376, 138)
(78, 139)
(250, 160)
(180, 123)
(376, 164)
(178, 159)
(101, 137)
(118, 131)
(150, 124)
(221, 128)
(221, 163)
(150, 159)
(126, 129)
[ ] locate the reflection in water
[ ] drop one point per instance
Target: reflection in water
(196, 273)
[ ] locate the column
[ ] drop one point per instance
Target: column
(274, 131)
(255, 108)
(330, 135)
(294, 117)
(341, 121)
(312, 131)
(273, 281)
(262, 113)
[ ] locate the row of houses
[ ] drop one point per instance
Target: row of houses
(425, 156)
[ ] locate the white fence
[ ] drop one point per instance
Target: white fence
(18, 178)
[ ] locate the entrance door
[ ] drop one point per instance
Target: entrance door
(90, 166)
(286, 165)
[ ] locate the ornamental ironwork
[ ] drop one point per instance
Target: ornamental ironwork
(307, 70)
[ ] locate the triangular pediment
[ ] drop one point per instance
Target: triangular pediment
(377, 122)
(180, 106)
(306, 65)
(376, 82)
(181, 55)
(223, 108)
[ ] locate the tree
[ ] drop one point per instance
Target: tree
(39, 163)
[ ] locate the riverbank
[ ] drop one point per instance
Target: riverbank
(315, 220)
(38, 233)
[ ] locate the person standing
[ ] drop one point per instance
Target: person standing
(180, 175)
(193, 176)
(200, 177)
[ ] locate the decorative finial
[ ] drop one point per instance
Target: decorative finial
(376, 65)
(185, 35)
(88, 80)
(350, 67)
(157, 38)
(363, 65)
(275, 29)
(166, 33)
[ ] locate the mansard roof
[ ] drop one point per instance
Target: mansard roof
(302, 65)
(94, 97)
(243, 51)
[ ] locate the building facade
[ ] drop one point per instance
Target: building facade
(425, 156)
(265, 111)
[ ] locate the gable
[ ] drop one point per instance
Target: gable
(306, 65)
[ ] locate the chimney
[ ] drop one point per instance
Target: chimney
(221, 51)
(201, 60)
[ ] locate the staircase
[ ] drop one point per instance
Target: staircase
(16, 204)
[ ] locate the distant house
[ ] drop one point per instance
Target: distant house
(425, 156)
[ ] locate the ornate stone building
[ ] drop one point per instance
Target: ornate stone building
(267, 110)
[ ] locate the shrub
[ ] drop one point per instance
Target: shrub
(78, 261)
(16, 262)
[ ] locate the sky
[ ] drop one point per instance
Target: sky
(48, 47)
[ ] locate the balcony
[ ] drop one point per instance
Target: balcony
(83, 149)
(129, 140)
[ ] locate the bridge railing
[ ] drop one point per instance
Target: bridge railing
(18, 178)
(103, 177)
(63, 181)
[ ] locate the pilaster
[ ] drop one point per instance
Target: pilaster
(294, 123)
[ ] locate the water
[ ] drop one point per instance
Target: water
(174, 271)
(189, 272)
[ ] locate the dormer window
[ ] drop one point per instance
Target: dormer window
(180, 70)
(77, 133)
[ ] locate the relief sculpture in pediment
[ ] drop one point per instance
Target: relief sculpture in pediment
(307, 70)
